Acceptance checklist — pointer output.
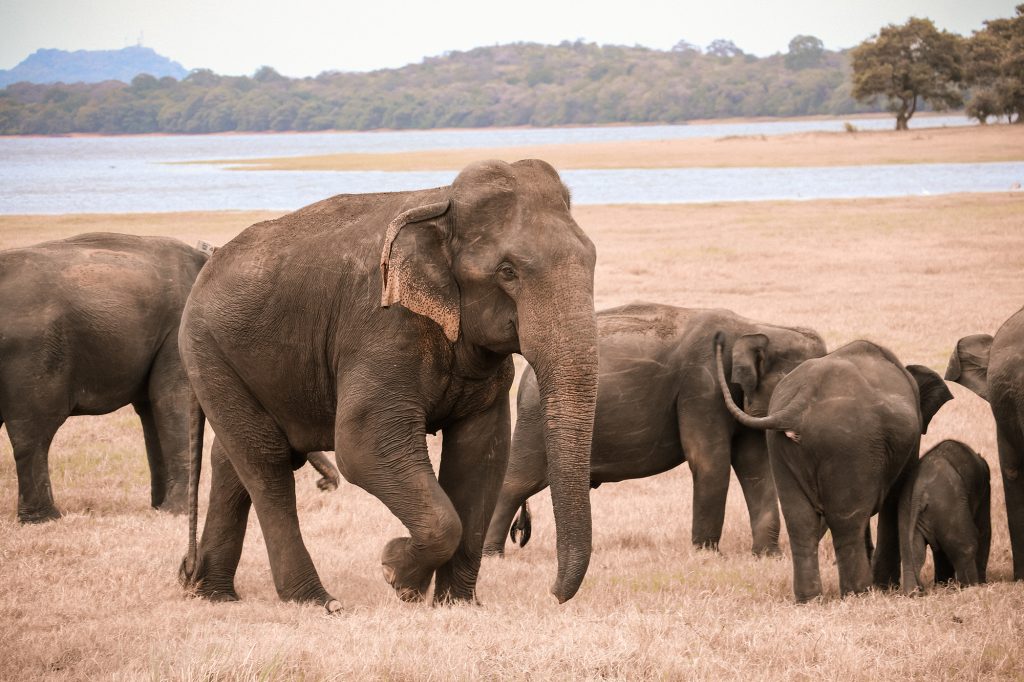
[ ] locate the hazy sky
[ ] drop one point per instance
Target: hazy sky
(306, 37)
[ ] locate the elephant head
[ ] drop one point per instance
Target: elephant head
(761, 360)
(968, 365)
(501, 266)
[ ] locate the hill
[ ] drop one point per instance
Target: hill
(503, 85)
(91, 66)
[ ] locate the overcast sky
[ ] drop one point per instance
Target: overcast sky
(306, 37)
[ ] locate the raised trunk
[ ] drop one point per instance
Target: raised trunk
(558, 338)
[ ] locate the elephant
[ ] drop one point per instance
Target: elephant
(365, 321)
(993, 367)
(90, 324)
(844, 432)
(945, 505)
(658, 405)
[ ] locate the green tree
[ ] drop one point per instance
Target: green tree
(994, 69)
(908, 64)
(805, 52)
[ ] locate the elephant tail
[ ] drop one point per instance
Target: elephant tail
(522, 526)
(769, 423)
(196, 426)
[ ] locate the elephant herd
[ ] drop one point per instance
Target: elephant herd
(361, 323)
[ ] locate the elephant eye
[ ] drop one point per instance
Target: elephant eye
(507, 272)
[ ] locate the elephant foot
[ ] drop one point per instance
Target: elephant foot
(403, 572)
(173, 506)
(333, 607)
(199, 586)
(707, 544)
(43, 515)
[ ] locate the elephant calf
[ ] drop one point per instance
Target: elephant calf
(658, 405)
(945, 506)
(89, 325)
(844, 432)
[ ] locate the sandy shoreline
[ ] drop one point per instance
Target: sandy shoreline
(975, 144)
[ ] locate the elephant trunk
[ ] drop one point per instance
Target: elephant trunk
(560, 341)
(769, 423)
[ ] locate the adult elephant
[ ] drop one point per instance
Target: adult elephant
(993, 367)
(658, 405)
(844, 432)
(90, 324)
(292, 342)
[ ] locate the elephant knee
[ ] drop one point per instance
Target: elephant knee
(442, 537)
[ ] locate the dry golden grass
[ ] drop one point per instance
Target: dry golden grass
(926, 145)
(94, 595)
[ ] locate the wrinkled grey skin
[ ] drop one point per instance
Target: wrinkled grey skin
(293, 342)
(844, 431)
(89, 325)
(994, 369)
(945, 505)
(658, 405)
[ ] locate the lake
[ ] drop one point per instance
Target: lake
(136, 173)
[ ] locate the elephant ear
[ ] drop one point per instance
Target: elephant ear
(415, 267)
(968, 365)
(933, 392)
(748, 353)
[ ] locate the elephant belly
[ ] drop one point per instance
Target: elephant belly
(633, 453)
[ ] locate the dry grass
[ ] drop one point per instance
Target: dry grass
(927, 145)
(94, 596)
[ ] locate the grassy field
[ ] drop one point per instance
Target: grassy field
(94, 595)
(923, 145)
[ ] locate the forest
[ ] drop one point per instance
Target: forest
(522, 84)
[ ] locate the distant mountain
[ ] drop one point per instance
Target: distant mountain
(91, 66)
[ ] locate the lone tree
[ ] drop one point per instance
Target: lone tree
(994, 69)
(909, 63)
(805, 52)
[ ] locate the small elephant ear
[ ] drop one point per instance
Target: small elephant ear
(933, 392)
(968, 365)
(415, 269)
(748, 353)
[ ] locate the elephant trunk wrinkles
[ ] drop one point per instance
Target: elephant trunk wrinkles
(769, 423)
(562, 348)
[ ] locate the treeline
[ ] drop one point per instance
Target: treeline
(505, 85)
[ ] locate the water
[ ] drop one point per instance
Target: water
(129, 174)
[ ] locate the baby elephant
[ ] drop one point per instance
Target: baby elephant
(945, 505)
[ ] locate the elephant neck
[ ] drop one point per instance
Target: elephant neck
(474, 362)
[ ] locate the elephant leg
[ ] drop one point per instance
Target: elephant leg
(168, 399)
(30, 440)
(851, 555)
(224, 531)
(944, 570)
(395, 468)
(804, 527)
(262, 459)
(157, 471)
(474, 458)
(708, 454)
(885, 562)
(527, 475)
(958, 536)
(750, 460)
(1010, 440)
(983, 522)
